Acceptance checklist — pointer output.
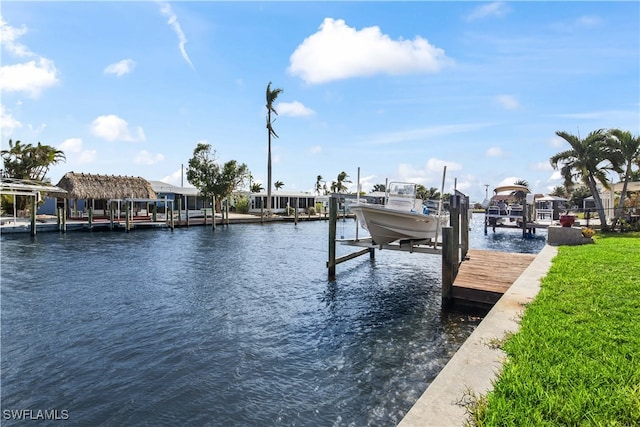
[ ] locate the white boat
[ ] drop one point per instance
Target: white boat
(402, 217)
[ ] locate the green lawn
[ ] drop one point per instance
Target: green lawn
(576, 359)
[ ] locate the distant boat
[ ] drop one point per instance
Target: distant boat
(499, 213)
(402, 217)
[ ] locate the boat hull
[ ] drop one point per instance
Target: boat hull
(387, 225)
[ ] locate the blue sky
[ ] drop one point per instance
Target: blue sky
(397, 89)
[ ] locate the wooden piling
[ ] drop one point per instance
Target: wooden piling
(333, 214)
(448, 260)
(33, 215)
(90, 218)
(213, 212)
(127, 220)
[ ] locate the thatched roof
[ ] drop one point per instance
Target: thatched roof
(88, 186)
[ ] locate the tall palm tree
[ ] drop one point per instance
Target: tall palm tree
(626, 151)
(272, 95)
(318, 184)
(278, 185)
(586, 160)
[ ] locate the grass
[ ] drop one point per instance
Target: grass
(576, 359)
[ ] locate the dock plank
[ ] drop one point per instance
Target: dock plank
(486, 275)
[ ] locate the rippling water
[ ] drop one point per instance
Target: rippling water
(233, 327)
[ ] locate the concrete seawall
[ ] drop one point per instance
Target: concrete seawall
(476, 364)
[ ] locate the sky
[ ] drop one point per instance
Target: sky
(391, 91)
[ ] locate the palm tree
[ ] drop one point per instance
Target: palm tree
(379, 187)
(338, 186)
(272, 95)
(318, 185)
(626, 151)
(520, 195)
(256, 187)
(424, 194)
(587, 161)
(278, 185)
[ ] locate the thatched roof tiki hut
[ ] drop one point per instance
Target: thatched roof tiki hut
(102, 190)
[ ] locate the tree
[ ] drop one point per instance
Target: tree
(30, 162)
(211, 179)
(338, 186)
(559, 191)
(272, 95)
(424, 194)
(320, 188)
(278, 185)
(586, 161)
(520, 195)
(625, 152)
(379, 187)
(256, 187)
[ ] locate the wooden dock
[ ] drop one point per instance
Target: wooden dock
(486, 275)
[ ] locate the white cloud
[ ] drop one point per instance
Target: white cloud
(338, 51)
(294, 109)
(87, 156)
(146, 158)
(7, 122)
(74, 146)
(430, 174)
(316, 149)
(496, 9)
(176, 178)
(509, 102)
(9, 39)
(120, 68)
(71, 145)
(113, 128)
(495, 152)
(30, 77)
(166, 10)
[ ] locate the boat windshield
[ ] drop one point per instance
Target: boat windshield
(403, 189)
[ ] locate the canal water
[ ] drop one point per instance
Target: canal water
(233, 327)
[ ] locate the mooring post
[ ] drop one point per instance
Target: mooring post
(126, 221)
(226, 211)
(333, 214)
(58, 219)
(111, 214)
(33, 215)
(64, 216)
(90, 217)
(448, 260)
(155, 212)
(295, 212)
(186, 210)
(213, 213)
(464, 227)
(179, 211)
(455, 224)
(171, 223)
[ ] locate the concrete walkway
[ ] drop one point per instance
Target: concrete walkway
(476, 364)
